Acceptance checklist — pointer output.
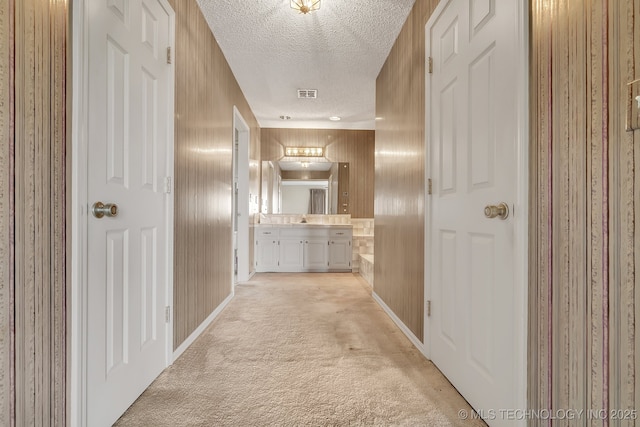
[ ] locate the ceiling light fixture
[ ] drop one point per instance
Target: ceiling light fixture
(304, 151)
(335, 118)
(305, 6)
(285, 117)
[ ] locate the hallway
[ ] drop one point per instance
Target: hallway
(300, 350)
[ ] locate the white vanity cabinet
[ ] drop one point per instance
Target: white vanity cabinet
(291, 254)
(266, 249)
(300, 248)
(315, 253)
(340, 249)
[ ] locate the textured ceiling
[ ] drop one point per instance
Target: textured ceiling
(338, 50)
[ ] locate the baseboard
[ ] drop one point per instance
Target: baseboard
(200, 329)
(414, 340)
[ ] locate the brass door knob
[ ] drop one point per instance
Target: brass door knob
(100, 210)
(500, 211)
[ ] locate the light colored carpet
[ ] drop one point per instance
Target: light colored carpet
(300, 350)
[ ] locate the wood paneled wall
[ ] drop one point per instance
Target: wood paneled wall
(6, 213)
(33, 123)
(400, 172)
(356, 147)
(584, 250)
(206, 92)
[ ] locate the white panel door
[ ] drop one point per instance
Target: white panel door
(471, 103)
(130, 84)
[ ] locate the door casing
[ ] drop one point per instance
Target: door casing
(78, 208)
(244, 209)
(521, 211)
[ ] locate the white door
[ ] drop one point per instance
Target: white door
(472, 112)
(130, 94)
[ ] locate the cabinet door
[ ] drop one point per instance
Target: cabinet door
(266, 255)
(291, 255)
(315, 254)
(340, 254)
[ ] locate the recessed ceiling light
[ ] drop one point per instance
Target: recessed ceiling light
(335, 118)
(285, 117)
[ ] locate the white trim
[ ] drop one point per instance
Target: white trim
(78, 329)
(521, 214)
(244, 196)
(405, 330)
(200, 329)
(521, 211)
(78, 306)
(170, 198)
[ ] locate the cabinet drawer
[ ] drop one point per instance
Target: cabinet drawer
(341, 233)
(266, 233)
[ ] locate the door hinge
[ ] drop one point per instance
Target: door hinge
(428, 308)
(167, 185)
(169, 55)
(167, 314)
(430, 65)
(429, 186)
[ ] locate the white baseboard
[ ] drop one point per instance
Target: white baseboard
(200, 329)
(414, 340)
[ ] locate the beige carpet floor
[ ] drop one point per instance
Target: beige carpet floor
(300, 350)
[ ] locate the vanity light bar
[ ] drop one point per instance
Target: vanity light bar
(304, 151)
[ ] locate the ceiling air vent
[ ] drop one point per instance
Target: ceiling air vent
(307, 93)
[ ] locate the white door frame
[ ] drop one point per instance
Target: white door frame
(242, 217)
(521, 211)
(78, 208)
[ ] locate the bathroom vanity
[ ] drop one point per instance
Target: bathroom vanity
(300, 247)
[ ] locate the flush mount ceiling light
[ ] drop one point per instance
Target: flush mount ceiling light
(304, 151)
(305, 6)
(335, 118)
(285, 117)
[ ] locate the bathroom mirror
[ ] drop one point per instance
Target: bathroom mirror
(303, 187)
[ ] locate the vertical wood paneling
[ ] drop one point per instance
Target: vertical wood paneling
(206, 92)
(38, 177)
(583, 251)
(7, 398)
(400, 172)
(623, 63)
(356, 147)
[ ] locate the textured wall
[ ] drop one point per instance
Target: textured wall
(356, 147)
(584, 249)
(206, 92)
(399, 172)
(33, 217)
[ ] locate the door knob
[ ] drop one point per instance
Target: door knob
(500, 211)
(99, 209)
